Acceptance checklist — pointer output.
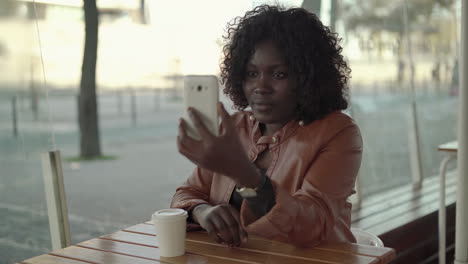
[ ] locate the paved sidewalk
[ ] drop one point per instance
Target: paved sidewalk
(129, 189)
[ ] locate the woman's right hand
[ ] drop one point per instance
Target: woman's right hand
(222, 222)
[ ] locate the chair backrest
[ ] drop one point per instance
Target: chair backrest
(365, 238)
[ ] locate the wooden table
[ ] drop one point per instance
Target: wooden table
(450, 150)
(137, 244)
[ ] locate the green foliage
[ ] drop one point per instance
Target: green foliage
(382, 15)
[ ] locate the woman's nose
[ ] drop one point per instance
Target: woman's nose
(263, 84)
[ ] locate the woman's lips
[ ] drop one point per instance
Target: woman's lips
(262, 106)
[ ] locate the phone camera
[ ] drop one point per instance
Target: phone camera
(199, 88)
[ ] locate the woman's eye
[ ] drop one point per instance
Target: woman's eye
(251, 74)
(279, 75)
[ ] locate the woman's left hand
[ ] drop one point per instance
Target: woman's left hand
(223, 154)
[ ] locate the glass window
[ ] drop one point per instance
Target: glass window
(25, 133)
(403, 88)
(402, 55)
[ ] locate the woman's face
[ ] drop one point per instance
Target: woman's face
(268, 86)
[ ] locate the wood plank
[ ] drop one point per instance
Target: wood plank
(390, 194)
(256, 256)
(428, 188)
(396, 222)
(218, 251)
(408, 210)
(283, 249)
(150, 252)
(384, 254)
(404, 190)
(407, 236)
(146, 229)
(96, 256)
(407, 230)
(255, 250)
(50, 259)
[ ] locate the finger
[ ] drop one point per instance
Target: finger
(180, 136)
(222, 229)
(185, 139)
(210, 228)
(232, 226)
(187, 153)
(236, 215)
(217, 234)
(244, 236)
(196, 118)
(182, 132)
(225, 118)
(189, 156)
(185, 144)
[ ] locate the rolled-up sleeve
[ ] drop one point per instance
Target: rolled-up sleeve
(194, 191)
(312, 213)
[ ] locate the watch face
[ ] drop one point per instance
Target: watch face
(246, 192)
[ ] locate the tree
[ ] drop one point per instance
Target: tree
(87, 103)
(143, 18)
(379, 16)
(333, 14)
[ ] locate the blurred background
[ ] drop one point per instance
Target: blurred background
(403, 92)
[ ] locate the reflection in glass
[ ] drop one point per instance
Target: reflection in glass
(140, 64)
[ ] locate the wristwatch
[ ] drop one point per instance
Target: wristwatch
(246, 192)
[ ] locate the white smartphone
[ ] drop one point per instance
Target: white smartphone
(201, 93)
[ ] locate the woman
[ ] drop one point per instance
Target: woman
(285, 169)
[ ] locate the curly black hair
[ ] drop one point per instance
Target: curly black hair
(312, 54)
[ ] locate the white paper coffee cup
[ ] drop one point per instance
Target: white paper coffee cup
(170, 227)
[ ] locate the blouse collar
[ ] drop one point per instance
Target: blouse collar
(279, 136)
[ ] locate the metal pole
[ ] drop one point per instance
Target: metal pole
(34, 95)
(119, 102)
(461, 234)
(333, 14)
(133, 106)
(358, 185)
(14, 116)
(56, 200)
(414, 140)
(442, 211)
(157, 99)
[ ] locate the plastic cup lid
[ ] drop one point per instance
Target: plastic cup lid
(170, 214)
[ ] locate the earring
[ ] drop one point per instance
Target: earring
(301, 123)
